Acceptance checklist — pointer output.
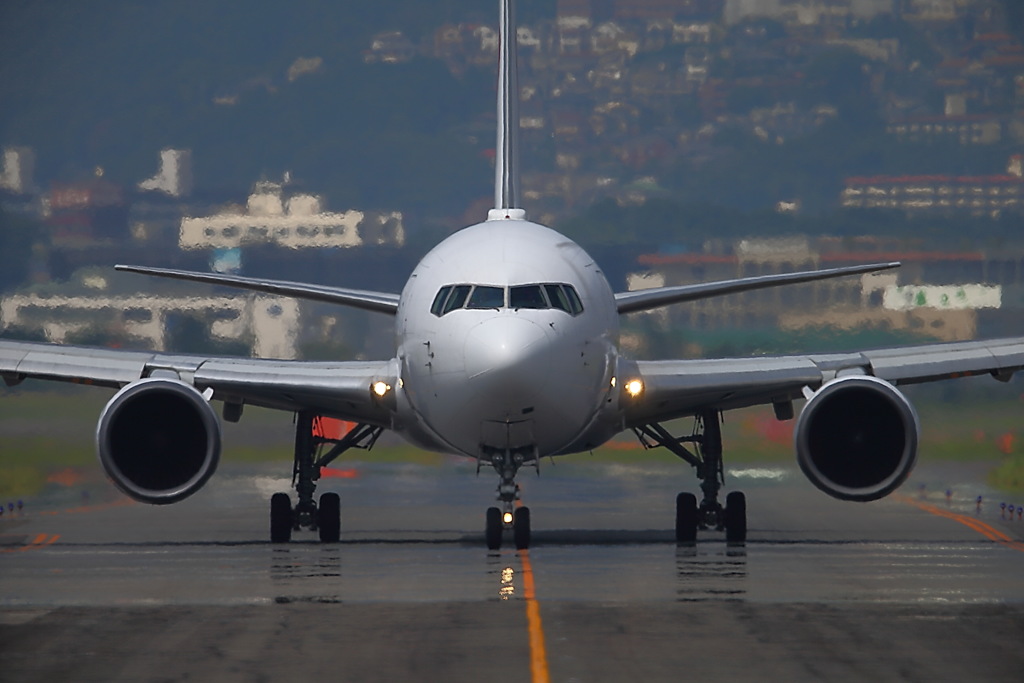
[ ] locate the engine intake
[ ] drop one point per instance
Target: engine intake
(158, 440)
(856, 439)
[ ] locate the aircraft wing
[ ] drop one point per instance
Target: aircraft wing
(646, 299)
(381, 302)
(680, 388)
(336, 389)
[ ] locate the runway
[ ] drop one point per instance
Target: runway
(914, 587)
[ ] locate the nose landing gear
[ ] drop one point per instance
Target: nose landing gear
(707, 461)
(508, 516)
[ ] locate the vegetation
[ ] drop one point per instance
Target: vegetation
(977, 424)
(110, 84)
(18, 237)
(1009, 476)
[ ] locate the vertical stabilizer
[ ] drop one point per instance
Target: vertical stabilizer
(506, 168)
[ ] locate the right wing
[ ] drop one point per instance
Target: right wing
(335, 389)
(381, 302)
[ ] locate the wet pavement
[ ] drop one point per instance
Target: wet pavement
(914, 587)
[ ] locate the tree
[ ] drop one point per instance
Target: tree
(18, 234)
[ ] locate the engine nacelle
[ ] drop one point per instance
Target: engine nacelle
(856, 439)
(158, 440)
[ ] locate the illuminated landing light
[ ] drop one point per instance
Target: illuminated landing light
(507, 518)
(634, 387)
(613, 382)
(381, 388)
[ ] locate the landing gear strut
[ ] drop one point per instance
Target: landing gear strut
(309, 459)
(508, 516)
(707, 461)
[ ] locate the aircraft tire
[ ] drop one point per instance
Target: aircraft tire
(280, 518)
(494, 528)
(687, 518)
(736, 517)
(328, 518)
(521, 528)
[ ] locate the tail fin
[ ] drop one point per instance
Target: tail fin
(506, 167)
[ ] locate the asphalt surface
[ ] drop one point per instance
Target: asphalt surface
(915, 587)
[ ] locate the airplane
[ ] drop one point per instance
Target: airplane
(507, 352)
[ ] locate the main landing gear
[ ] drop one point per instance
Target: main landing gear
(324, 518)
(508, 516)
(707, 461)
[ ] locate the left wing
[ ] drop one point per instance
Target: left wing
(680, 388)
(335, 389)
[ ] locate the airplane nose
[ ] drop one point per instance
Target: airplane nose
(507, 354)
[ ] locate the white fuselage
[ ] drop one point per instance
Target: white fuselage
(534, 380)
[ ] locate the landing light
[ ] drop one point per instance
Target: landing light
(634, 387)
(507, 518)
(381, 388)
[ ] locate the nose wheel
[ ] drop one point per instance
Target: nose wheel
(508, 516)
(498, 522)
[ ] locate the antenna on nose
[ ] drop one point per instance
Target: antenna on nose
(506, 161)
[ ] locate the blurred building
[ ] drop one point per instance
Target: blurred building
(297, 221)
(270, 324)
(18, 171)
(174, 178)
(94, 210)
(940, 295)
(978, 195)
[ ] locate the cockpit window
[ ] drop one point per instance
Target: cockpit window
(561, 297)
(575, 305)
(526, 296)
(557, 297)
(439, 300)
(457, 298)
(487, 297)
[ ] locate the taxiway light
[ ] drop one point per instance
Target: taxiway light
(634, 387)
(381, 388)
(507, 518)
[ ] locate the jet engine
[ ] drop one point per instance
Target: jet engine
(856, 439)
(158, 440)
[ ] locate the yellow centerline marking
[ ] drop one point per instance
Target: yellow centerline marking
(986, 530)
(538, 651)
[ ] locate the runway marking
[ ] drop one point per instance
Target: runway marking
(981, 527)
(538, 652)
(40, 541)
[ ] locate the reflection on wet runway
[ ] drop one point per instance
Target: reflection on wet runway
(714, 574)
(803, 547)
